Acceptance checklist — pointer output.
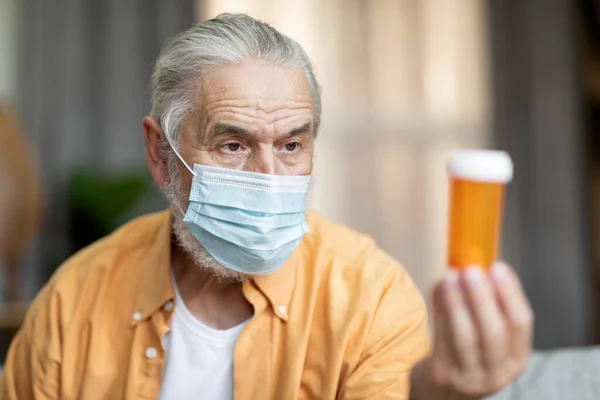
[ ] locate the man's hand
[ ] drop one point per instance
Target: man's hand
(483, 330)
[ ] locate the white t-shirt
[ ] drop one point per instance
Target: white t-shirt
(199, 362)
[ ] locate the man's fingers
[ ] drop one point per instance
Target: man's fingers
(463, 334)
(516, 308)
(489, 320)
(483, 327)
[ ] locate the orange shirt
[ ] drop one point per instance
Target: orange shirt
(340, 320)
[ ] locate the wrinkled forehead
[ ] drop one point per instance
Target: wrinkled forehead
(262, 87)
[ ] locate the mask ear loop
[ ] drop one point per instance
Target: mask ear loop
(177, 153)
(183, 162)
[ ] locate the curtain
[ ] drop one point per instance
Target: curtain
(538, 118)
(84, 78)
(9, 43)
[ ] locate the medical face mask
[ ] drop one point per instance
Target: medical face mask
(248, 222)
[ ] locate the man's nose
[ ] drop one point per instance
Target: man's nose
(263, 161)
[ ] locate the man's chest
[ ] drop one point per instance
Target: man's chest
(272, 359)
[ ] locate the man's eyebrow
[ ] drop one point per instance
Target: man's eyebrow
(306, 128)
(222, 128)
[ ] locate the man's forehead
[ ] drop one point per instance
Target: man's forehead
(263, 84)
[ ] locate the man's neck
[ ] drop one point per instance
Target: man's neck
(217, 303)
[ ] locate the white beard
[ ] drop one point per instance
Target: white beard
(186, 240)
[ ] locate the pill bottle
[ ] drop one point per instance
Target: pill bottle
(477, 184)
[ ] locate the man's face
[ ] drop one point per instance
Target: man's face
(252, 117)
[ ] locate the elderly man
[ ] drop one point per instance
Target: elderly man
(237, 292)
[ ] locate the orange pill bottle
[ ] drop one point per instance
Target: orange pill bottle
(477, 183)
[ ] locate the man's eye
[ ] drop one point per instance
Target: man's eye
(291, 146)
(233, 147)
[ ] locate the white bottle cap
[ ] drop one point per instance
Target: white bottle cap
(481, 165)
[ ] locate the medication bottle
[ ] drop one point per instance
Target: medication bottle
(477, 183)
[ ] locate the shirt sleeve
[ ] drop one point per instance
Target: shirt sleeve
(32, 367)
(397, 340)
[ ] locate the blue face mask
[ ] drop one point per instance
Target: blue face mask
(248, 222)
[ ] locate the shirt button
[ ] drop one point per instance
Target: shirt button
(137, 316)
(282, 310)
(151, 352)
(169, 306)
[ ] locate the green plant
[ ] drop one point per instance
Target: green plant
(99, 201)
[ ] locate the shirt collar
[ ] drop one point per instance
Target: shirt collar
(155, 287)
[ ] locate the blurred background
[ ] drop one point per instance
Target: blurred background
(404, 82)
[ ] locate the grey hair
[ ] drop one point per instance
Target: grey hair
(226, 39)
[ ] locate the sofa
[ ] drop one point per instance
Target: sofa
(564, 374)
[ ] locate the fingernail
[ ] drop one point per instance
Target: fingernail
(474, 275)
(451, 279)
(500, 272)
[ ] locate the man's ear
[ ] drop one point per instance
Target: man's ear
(154, 154)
